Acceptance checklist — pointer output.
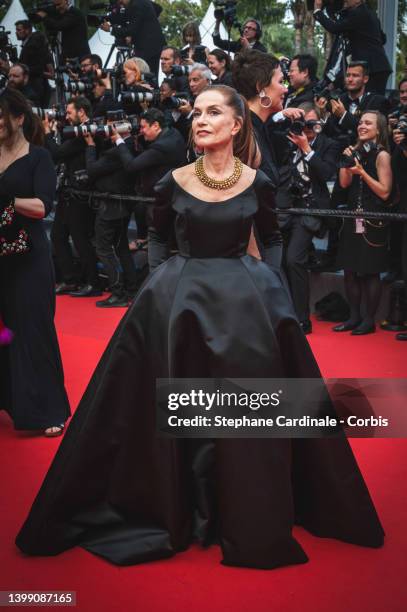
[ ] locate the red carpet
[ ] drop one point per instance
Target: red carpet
(338, 576)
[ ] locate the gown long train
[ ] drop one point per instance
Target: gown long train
(122, 492)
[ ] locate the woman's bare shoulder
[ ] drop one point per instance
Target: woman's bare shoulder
(183, 175)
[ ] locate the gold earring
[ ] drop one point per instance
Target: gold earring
(265, 100)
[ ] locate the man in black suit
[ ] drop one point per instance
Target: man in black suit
(314, 162)
(250, 38)
(356, 100)
(302, 75)
(143, 27)
(71, 23)
(36, 55)
(165, 150)
(73, 216)
(365, 39)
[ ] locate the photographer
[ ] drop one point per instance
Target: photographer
(102, 96)
(250, 37)
(73, 215)
(314, 162)
(165, 150)
(365, 39)
(170, 105)
(143, 27)
(90, 64)
(399, 165)
(302, 75)
(71, 22)
(193, 51)
(220, 65)
(171, 56)
(107, 175)
(348, 108)
(365, 170)
(36, 55)
(18, 78)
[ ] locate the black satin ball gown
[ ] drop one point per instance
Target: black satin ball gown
(122, 492)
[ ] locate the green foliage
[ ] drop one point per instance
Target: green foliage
(175, 14)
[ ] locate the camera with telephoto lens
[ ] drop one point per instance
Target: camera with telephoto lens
(349, 161)
(178, 71)
(6, 46)
(225, 10)
(72, 65)
(82, 86)
(45, 7)
(105, 131)
(53, 114)
(152, 97)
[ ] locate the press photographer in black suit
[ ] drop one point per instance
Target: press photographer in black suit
(347, 110)
(71, 22)
(361, 28)
(250, 38)
(73, 215)
(302, 75)
(165, 150)
(18, 78)
(314, 162)
(36, 55)
(106, 175)
(144, 29)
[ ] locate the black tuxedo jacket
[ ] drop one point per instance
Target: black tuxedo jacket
(72, 24)
(304, 94)
(322, 167)
(36, 54)
(361, 27)
(348, 126)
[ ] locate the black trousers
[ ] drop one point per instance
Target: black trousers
(404, 258)
(112, 247)
(377, 82)
(76, 219)
(297, 245)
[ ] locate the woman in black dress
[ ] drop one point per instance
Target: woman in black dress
(122, 492)
(364, 243)
(32, 384)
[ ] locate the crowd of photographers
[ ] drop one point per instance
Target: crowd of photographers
(117, 131)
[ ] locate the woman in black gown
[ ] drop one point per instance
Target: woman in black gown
(364, 244)
(122, 492)
(32, 384)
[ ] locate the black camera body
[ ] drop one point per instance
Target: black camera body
(178, 71)
(53, 114)
(348, 161)
(174, 102)
(299, 125)
(82, 86)
(328, 94)
(198, 56)
(225, 10)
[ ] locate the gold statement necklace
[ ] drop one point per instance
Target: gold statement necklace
(215, 183)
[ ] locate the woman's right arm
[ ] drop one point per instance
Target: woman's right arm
(345, 175)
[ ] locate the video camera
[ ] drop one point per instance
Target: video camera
(225, 10)
(348, 161)
(6, 46)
